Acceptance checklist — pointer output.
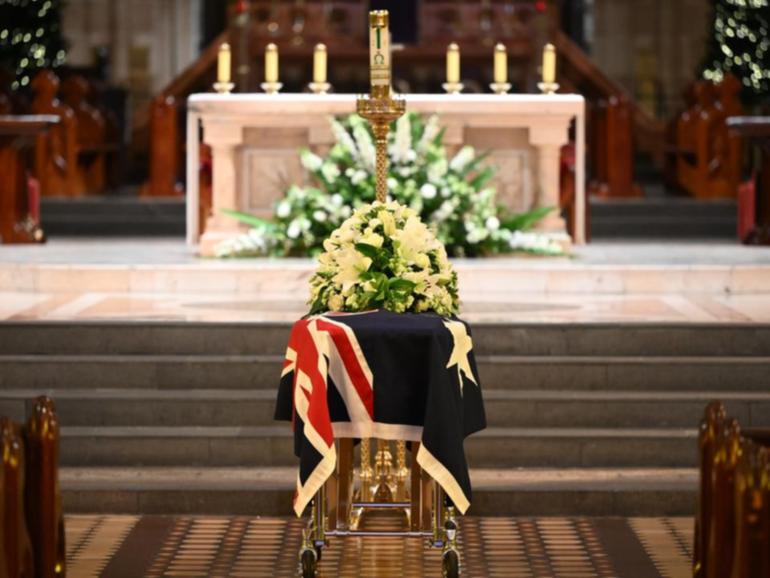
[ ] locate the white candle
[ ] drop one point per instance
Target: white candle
(224, 63)
(271, 63)
(319, 64)
(453, 64)
(501, 64)
(549, 64)
(379, 52)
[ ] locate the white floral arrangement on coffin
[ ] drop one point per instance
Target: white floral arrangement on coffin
(384, 257)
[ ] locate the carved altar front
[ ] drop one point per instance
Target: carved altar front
(255, 139)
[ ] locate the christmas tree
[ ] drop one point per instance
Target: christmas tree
(30, 37)
(740, 45)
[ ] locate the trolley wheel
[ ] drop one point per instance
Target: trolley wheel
(308, 561)
(451, 564)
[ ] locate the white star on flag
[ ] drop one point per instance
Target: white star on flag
(462, 348)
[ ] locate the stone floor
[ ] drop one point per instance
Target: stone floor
(124, 279)
(253, 307)
(96, 251)
(238, 547)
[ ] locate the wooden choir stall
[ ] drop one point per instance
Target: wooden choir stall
(19, 200)
(32, 541)
(732, 524)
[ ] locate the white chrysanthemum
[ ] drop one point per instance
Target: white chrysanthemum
(437, 170)
(330, 172)
(294, 230)
(283, 209)
(320, 216)
(428, 191)
(492, 223)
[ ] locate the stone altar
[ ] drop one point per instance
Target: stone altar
(255, 140)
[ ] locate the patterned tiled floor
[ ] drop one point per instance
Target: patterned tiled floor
(237, 547)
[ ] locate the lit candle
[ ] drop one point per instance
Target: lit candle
(379, 53)
(453, 64)
(319, 64)
(271, 63)
(549, 64)
(224, 63)
(501, 64)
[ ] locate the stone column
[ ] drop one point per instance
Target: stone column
(548, 138)
(224, 138)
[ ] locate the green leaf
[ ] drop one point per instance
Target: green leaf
(248, 219)
(482, 178)
(368, 250)
(398, 285)
(438, 140)
(477, 160)
(524, 221)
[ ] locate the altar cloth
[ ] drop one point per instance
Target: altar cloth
(381, 375)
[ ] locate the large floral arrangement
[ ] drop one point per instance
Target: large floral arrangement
(452, 195)
(384, 256)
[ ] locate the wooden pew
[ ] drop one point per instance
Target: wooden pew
(56, 154)
(18, 555)
(19, 208)
(732, 525)
(708, 157)
(165, 149)
(92, 135)
(45, 519)
(612, 150)
(752, 506)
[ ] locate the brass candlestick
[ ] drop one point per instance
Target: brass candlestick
(379, 107)
(548, 87)
(500, 87)
(271, 87)
(224, 87)
(320, 87)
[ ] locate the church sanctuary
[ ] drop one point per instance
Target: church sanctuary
(384, 288)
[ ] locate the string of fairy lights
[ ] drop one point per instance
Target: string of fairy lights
(30, 37)
(741, 44)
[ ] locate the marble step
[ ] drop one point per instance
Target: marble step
(505, 408)
(576, 339)
(268, 491)
(511, 372)
(113, 216)
(666, 218)
(284, 282)
(273, 446)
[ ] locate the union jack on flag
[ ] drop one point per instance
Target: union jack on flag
(381, 375)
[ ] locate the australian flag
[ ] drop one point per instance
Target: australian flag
(381, 375)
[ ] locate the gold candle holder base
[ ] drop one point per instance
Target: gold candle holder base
(320, 87)
(548, 87)
(453, 87)
(380, 112)
(224, 87)
(500, 87)
(271, 87)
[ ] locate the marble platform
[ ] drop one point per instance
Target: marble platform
(162, 279)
